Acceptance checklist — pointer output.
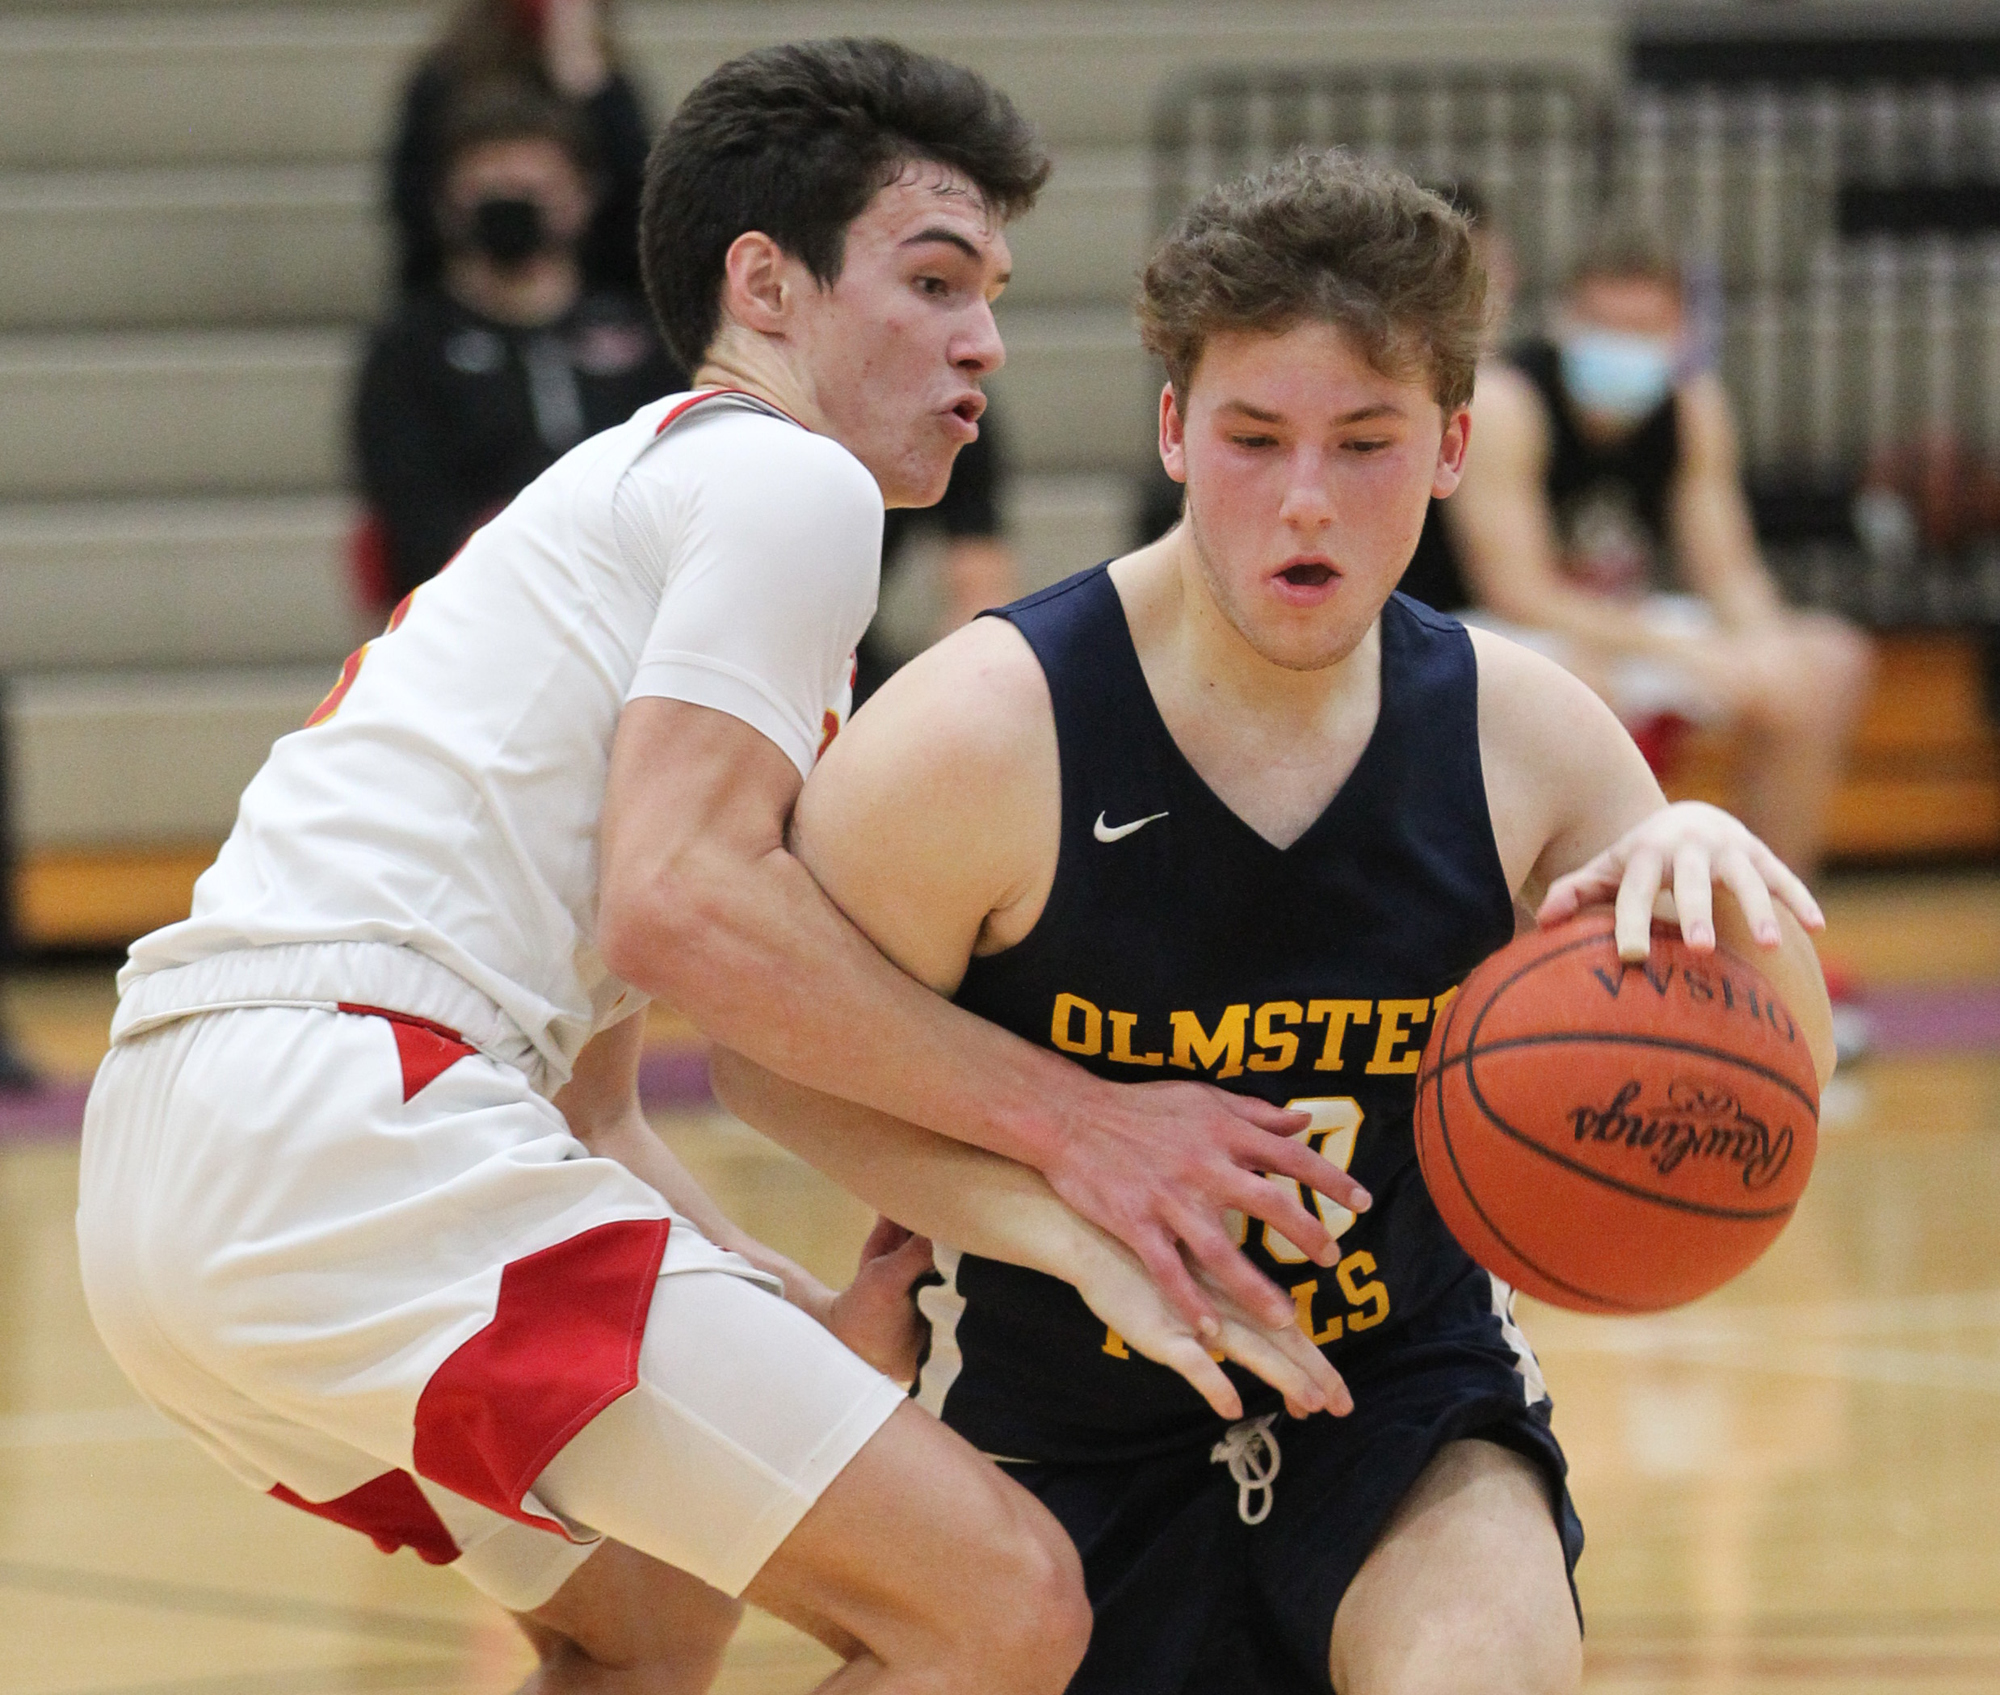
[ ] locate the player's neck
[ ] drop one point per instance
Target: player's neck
(1275, 744)
(759, 365)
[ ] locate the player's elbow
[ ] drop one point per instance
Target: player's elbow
(660, 929)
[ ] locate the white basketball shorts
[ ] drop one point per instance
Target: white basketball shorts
(370, 1270)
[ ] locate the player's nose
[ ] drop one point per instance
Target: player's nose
(977, 349)
(1308, 502)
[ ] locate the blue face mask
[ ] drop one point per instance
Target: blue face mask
(1617, 375)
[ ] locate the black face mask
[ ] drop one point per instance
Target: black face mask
(508, 230)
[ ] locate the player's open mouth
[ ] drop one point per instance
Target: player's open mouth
(970, 407)
(1308, 574)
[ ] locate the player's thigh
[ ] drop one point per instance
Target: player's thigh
(1467, 1592)
(925, 1552)
(758, 1454)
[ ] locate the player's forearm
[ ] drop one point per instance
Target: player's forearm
(757, 956)
(937, 1187)
(631, 1142)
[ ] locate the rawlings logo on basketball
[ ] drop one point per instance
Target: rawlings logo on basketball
(1699, 1122)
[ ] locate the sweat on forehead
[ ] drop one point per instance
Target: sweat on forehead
(935, 181)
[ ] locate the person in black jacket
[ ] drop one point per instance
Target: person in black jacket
(565, 50)
(474, 388)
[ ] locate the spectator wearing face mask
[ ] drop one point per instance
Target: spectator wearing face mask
(474, 388)
(565, 50)
(1602, 518)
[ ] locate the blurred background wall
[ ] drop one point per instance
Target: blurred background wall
(191, 241)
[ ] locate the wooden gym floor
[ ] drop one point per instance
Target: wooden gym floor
(1791, 1488)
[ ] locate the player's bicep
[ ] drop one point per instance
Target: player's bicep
(767, 586)
(1563, 778)
(935, 810)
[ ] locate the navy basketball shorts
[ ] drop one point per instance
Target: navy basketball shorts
(1190, 1599)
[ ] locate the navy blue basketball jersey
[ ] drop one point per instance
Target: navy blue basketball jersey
(1179, 943)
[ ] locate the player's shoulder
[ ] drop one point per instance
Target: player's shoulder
(972, 711)
(1535, 714)
(747, 449)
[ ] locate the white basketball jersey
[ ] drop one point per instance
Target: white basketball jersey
(446, 795)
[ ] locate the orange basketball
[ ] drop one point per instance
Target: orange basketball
(1612, 1137)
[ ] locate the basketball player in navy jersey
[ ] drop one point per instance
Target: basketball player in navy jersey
(1227, 808)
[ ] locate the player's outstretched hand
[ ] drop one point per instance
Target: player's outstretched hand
(1119, 1290)
(876, 1315)
(1684, 848)
(1157, 1165)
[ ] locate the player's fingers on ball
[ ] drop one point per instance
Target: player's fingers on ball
(1788, 886)
(1637, 890)
(1752, 895)
(1692, 896)
(1568, 895)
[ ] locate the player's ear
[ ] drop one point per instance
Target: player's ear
(755, 282)
(1451, 452)
(1173, 435)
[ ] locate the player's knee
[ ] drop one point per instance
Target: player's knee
(1041, 1625)
(1504, 1653)
(1023, 1620)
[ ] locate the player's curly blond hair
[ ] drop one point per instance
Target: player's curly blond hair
(1322, 237)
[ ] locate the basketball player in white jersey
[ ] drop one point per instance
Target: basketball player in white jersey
(368, 1206)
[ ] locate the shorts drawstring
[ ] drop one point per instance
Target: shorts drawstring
(1251, 1453)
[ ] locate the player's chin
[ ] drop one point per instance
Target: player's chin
(927, 469)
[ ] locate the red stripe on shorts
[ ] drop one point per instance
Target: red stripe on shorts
(562, 1346)
(426, 1048)
(390, 1511)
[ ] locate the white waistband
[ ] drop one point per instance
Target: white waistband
(323, 975)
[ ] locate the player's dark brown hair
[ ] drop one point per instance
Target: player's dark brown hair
(1322, 237)
(794, 141)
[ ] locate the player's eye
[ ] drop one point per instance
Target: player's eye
(1254, 441)
(1369, 444)
(936, 287)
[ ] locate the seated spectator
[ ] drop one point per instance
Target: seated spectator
(1602, 515)
(565, 50)
(979, 569)
(472, 390)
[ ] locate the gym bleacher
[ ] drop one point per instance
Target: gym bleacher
(190, 244)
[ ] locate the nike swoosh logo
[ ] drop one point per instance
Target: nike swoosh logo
(1111, 833)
